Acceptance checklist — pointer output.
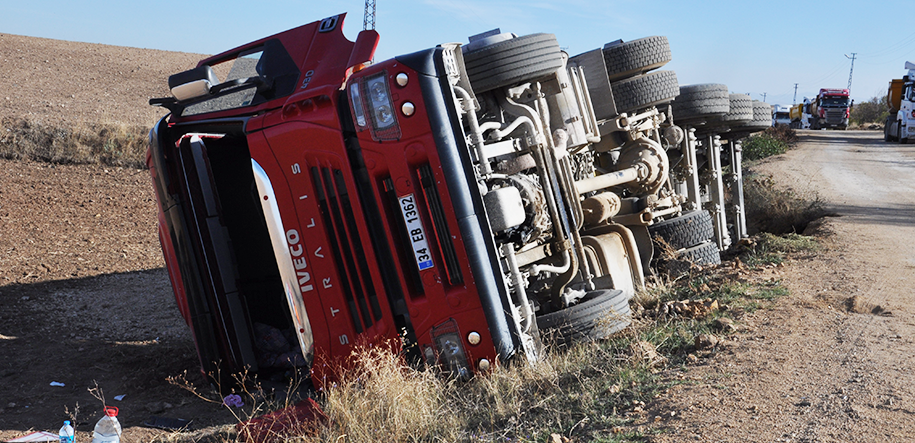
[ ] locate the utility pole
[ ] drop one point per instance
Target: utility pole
(764, 96)
(368, 23)
(795, 94)
(852, 70)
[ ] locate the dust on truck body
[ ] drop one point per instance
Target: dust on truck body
(830, 109)
(900, 99)
(312, 196)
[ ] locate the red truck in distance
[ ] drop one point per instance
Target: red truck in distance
(830, 109)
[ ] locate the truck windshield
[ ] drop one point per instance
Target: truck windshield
(240, 68)
(262, 73)
(835, 101)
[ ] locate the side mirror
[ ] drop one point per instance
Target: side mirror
(197, 82)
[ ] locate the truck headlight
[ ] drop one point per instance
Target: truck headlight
(446, 338)
(373, 108)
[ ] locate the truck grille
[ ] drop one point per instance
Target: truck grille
(437, 213)
(835, 116)
(390, 197)
(346, 246)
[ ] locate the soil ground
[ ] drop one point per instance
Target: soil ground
(55, 80)
(86, 300)
(832, 361)
(84, 294)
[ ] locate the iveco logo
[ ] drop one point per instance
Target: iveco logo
(328, 24)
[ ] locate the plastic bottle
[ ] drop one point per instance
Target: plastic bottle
(108, 429)
(66, 432)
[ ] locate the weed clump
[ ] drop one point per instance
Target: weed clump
(778, 211)
(773, 141)
(382, 398)
(769, 249)
(112, 144)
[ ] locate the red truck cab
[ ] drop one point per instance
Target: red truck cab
(832, 109)
(311, 201)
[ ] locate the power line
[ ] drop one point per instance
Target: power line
(850, 71)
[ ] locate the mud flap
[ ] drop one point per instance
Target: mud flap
(614, 252)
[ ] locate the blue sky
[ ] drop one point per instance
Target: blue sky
(753, 47)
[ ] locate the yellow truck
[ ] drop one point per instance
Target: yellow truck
(798, 119)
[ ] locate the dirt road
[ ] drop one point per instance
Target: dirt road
(833, 361)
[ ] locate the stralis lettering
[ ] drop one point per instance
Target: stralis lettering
(298, 259)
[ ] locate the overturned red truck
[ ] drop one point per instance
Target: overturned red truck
(450, 199)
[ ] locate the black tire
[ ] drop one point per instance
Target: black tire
(700, 102)
(636, 57)
(600, 314)
(513, 61)
(762, 118)
(690, 229)
(740, 111)
(703, 255)
(644, 91)
(887, 125)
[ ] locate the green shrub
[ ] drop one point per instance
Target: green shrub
(763, 145)
(874, 110)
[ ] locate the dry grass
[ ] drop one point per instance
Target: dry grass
(597, 391)
(383, 399)
(778, 211)
(111, 144)
(576, 391)
(593, 391)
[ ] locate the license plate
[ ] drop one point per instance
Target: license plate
(415, 232)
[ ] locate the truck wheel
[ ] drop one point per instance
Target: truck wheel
(599, 314)
(762, 118)
(636, 57)
(899, 131)
(740, 112)
(644, 91)
(887, 131)
(690, 229)
(513, 61)
(699, 102)
(702, 255)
